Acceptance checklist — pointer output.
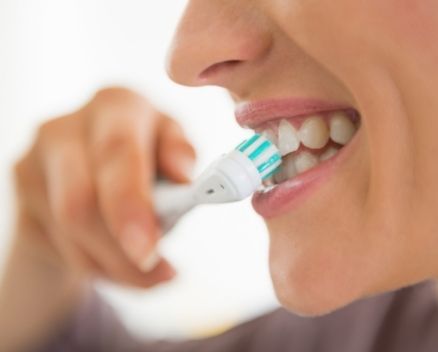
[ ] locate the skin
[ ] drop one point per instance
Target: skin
(85, 211)
(381, 234)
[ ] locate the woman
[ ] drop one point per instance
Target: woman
(355, 226)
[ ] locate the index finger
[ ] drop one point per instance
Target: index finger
(122, 141)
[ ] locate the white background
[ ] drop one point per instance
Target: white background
(53, 55)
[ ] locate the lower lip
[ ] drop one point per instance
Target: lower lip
(290, 194)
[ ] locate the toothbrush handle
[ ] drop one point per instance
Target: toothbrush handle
(171, 202)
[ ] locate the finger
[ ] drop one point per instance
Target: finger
(122, 145)
(69, 197)
(160, 273)
(78, 225)
(113, 264)
(175, 155)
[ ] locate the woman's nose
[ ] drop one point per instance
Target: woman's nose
(214, 40)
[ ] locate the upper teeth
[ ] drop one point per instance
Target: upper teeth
(341, 128)
(270, 135)
(288, 140)
(314, 133)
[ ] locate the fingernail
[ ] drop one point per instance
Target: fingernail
(185, 165)
(150, 262)
(135, 242)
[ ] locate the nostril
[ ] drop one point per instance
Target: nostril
(215, 69)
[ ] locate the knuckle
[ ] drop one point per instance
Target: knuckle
(54, 130)
(118, 95)
(51, 126)
(113, 91)
(19, 169)
(22, 172)
(19, 177)
(112, 145)
(46, 130)
(119, 108)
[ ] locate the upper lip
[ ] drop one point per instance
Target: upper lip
(253, 114)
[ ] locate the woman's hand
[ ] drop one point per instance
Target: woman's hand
(84, 188)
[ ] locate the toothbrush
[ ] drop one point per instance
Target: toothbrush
(231, 178)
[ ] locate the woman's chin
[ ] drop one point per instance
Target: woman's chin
(307, 302)
(315, 287)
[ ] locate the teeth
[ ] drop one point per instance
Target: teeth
(289, 166)
(288, 169)
(281, 175)
(270, 136)
(328, 154)
(305, 161)
(268, 189)
(342, 128)
(288, 140)
(269, 182)
(314, 133)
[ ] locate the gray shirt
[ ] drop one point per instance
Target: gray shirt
(401, 321)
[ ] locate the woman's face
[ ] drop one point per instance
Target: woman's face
(366, 220)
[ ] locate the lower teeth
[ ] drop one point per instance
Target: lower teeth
(297, 163)
(268, 188)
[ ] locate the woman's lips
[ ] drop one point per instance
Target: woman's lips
(290, 193)
(285, 196)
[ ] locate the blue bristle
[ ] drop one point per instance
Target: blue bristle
(245, 145)
(273, 162)
(272, 173)
(267, 164)
(241, 144)
(265, 145)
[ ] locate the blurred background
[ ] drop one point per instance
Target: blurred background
(54, 54)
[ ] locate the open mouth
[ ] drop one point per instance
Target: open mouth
(311, 141)
(307, 141)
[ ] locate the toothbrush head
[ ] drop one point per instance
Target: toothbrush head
(239, 173)
(264, 155)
